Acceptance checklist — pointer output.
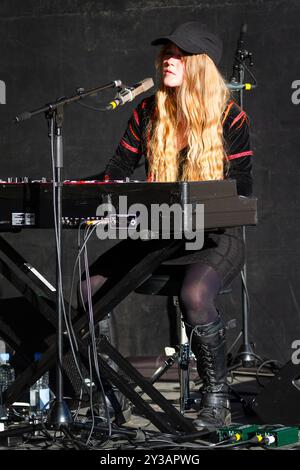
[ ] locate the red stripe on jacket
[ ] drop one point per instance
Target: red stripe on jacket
(239, 155)
(237, 118)
(133, 133)
(128, 147)
(136, 117)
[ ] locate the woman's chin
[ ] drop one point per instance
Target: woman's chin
(170, 82)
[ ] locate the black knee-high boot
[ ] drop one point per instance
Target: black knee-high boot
(209, 346)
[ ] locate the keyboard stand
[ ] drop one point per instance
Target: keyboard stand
(171, 420)
(27, 280)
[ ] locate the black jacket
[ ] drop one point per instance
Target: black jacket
(133, 145)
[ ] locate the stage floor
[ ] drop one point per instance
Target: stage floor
(138, 432)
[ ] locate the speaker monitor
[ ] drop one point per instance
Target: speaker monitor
(279, 402)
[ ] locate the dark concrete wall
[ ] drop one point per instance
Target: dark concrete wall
(49, 48)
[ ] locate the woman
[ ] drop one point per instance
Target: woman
(191, 130)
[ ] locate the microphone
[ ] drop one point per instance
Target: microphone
(129, 93)
(23, 116)
(243, 31)
(240, 45)
(235, 86)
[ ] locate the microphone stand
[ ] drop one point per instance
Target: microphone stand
(246, 353)
(59, 414)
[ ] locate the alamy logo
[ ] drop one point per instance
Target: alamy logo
(159, 221)
(296, 94)
(2, 92)
(296, 354)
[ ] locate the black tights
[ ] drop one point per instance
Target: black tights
(201, 284)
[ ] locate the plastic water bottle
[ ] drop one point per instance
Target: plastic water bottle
(7, 376)
(7, 373)
(40, 392)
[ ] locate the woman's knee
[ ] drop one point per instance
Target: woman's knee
(195, 297)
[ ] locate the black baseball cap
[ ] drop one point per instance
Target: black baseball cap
(193, 37)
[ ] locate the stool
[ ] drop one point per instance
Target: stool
(166, 281)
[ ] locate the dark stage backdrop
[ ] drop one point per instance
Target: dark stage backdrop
(48, 48)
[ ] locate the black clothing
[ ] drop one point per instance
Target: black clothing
(209, 346)
(135, 140)
(223, 249)
(194, 38)
(200, 287)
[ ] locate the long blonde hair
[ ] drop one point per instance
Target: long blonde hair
(199, 104)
